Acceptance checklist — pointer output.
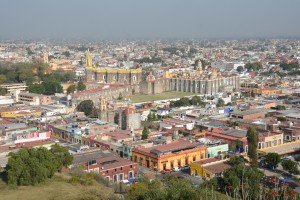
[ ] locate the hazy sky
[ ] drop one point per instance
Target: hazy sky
(122, 19)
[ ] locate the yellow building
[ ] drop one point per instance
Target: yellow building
(209, 168)
(19, 112)
(173, 155)
(273, 139)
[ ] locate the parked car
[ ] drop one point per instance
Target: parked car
(176, 169)
(185, 167)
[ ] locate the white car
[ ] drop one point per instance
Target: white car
(176, 169)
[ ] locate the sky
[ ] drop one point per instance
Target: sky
(137, 19)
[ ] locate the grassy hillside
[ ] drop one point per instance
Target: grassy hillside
(58, 188)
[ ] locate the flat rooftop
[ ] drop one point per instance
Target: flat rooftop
(171, 147)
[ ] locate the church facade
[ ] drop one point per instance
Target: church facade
(195, 81)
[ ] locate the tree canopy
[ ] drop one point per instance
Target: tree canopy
(145, 133)
(253, 66)
(273, 159)
(32, 166)
(81, 86)
(86, 106)
(195, 100)
(290, 166)
(71, 89)
(220, 103)
(252, 138)
(240, 68)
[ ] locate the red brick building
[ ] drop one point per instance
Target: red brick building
(111, 167)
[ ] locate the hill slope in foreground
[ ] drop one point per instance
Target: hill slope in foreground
(57, 188)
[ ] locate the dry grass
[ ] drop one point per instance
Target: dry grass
(57, 188)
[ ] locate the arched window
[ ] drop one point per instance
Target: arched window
(115, 178)
(131, 174)
(121, 177)
(104, 77)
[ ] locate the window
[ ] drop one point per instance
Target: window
(115, 178)
(131, 165)
(115, 169)
(121, 177)
(114, 77)
(121, 168)
(194, 158)
(104, 77)
(179, 163)
(134, 78)
(131, 174)
(197, 85)
(107, 171)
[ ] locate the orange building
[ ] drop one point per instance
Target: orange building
(173, 155)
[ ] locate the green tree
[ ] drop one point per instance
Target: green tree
(273, 159)
(252, 138)
(281, 119)
(150, 117)
(2, 78)
(290, 166)
(297, 158)
(145, 133)
(52, 87)
(243, 176)
(86, 106)
(280, 107)
(36, 88)
(120, 97)
(66, 53)
(71, 89)
(32, 166)
(220, 103)
(154, 117)
(252, 94)
(3, 91)
(253, 66)
(62, 156)
(81, 86)
(240, 68)
(185, 101)
(68, 76)
(196, 101)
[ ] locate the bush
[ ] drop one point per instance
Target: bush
(74, 180)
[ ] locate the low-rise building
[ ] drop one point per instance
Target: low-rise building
(14, 88)
(167, 156)
(111, 167)
(248, 114)
(209, 168)
(14, 112)
(34, 99)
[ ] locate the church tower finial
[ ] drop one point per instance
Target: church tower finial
(88, 59)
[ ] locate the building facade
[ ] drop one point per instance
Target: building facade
(194, 81)
(173, 155)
